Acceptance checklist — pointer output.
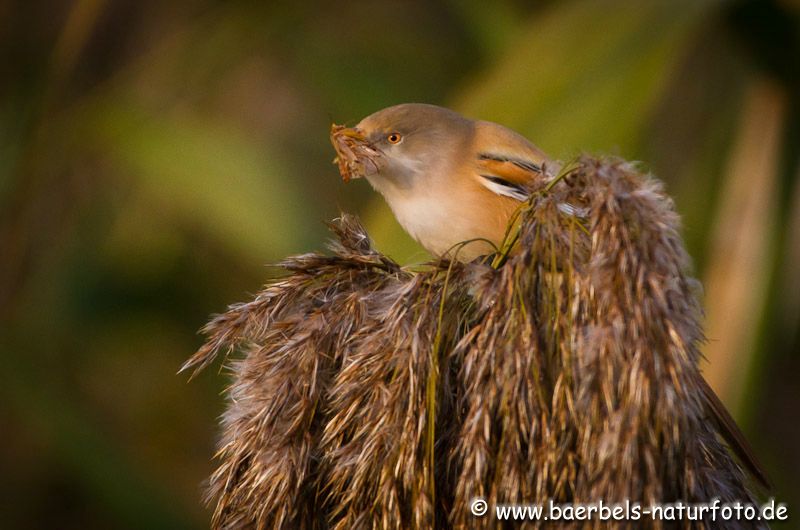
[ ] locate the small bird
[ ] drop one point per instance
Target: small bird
(448, 179)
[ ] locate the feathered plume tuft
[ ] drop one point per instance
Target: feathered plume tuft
(368, 395)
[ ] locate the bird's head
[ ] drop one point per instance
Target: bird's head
(395, 146)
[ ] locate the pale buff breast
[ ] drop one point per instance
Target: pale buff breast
(440, 221)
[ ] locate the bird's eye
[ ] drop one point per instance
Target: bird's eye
(394, 138)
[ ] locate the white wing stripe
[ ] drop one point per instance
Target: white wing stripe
(502, 187)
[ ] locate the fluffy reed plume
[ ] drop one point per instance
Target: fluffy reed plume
(367, 395)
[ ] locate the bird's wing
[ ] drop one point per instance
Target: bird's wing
(732, 435)
(506, 162)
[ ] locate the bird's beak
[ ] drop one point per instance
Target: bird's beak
(355, 155)
(349, 132)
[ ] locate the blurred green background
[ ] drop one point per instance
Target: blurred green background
(156, 156)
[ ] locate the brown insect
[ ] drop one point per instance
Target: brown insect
(355, 155)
